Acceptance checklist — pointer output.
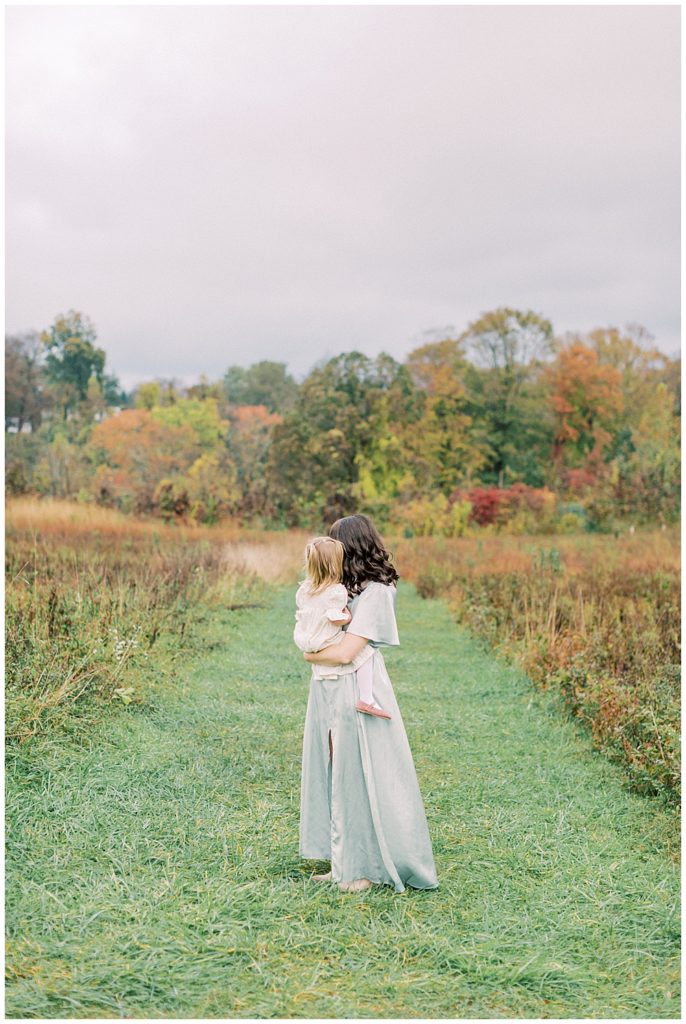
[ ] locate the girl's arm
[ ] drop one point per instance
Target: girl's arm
(340, 653)
(343, 617)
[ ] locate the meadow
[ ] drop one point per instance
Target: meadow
(154, 724)
(100, 608)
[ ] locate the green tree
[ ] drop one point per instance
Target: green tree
(265, 383)
(62, 469)
(76, 377)
(339, 445)
(649, 473)
(202, 416)
(25, 397)
(506, 393)
(72, 359)
(147, 395)
(440, 449)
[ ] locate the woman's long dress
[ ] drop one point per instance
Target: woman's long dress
(363, 810)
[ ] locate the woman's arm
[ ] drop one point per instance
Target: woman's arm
(340, 653)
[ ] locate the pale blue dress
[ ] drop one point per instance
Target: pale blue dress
(363, 812)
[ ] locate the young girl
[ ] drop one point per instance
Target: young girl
(321, 611)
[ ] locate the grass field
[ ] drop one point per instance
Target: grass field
(152, 865)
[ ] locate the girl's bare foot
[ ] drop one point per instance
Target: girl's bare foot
(322, 878)
(359, 885)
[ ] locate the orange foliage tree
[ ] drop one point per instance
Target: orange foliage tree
(132, 452)
(248, 440)
(586, 398)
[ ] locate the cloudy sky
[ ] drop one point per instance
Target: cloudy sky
(218, 185)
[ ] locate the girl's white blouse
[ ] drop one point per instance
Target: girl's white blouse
(314, 628)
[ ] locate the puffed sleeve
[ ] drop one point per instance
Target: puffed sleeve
(336, 600)
(374, 615)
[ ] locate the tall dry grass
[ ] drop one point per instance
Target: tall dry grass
(596, 617)
(103, 607)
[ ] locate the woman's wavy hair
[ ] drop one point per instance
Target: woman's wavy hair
(366, 558)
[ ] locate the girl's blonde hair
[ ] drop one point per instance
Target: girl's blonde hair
(323, 562)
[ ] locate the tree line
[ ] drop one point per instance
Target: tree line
(503, 425)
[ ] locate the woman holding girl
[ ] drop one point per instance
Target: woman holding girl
(361, 808)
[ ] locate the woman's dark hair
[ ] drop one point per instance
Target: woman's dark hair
(365, 558)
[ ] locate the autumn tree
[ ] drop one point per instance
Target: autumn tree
(248, 441)
(132, 452)
(206, 388)
(586, 397)
(670, 376)
(208, 491)
(643, 453)
(640, 365)
(162, 391)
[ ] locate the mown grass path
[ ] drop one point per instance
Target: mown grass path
(153, 870)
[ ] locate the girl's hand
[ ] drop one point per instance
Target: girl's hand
(307, 656)
(344, 618)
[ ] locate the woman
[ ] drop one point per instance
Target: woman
(360, 805)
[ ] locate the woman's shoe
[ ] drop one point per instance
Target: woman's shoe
(371, 709)
(359, 885)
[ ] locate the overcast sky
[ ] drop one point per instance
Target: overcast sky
(218, 185)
